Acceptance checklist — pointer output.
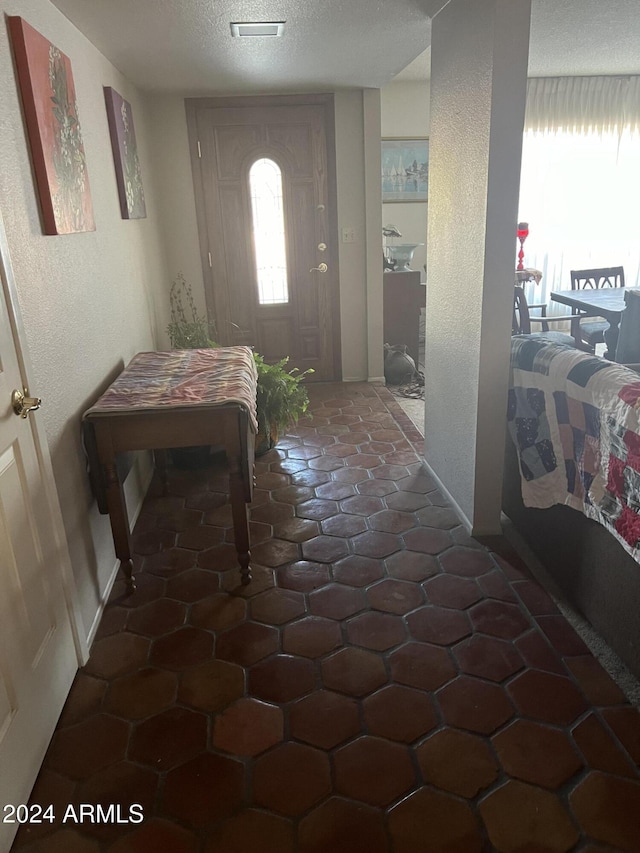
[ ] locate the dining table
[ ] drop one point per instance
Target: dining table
(607, 303)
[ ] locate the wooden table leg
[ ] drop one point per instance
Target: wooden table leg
(120, 524)
(611, 334)
(240, 520)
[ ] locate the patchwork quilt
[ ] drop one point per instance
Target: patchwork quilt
(575, 421)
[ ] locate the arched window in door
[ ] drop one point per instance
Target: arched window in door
(267, 209)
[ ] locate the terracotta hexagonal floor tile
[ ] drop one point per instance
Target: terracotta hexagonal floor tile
(248, 727)
(119, 784)
(375, 630)
(335, 491)
(203, 536)
(344, 525)
(247, 643)
(451, 591)
(438, 625)
(536, 754)
(294, 494)
(392, 521)
(169, 738)
(272, 513)
(499, 619)
(311, 637)
(277, 606)
(182, 648)
(141, 694)
(193, 585)
(466, 562)
(373, 771)
(547, 697)
(340, 450)
(495, 585)
(488, 657)
(562, 636)
(310, 478)
(275, 552)
(155, 834)
(169, 562)
(477, 706)
(438, 516)
(457, 761)
(218, 611)
(362, 505)
(281, 678)
(297, 529)
(222, 558)
(326, 463)
(607, 809)
(377, 488)
(339, 825)
(412, 566)
(421, 665)
(382, 716)
(84, 699)
(81, 750)
(356, 570)
(324, 719)
(599, 688)
(448, 824)
(204, 790)
(625, 722)
(353, 671)
(538, 654)
(395, 596)
(291, 779)
(303, 575)
(350, 475)
(336, 601)
(389, 471)
(324, 549)
(407, 501)
(427, 540)
(157, 617)
(521, 817)
(212, 686)
(600, 749)
(375, 544)
(117, 655)
(252, 830)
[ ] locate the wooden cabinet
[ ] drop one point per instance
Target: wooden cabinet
(403, 297)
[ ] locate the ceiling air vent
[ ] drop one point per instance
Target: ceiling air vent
(264, 28)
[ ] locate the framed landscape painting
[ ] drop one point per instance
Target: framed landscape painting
(125, 155)
(405, 169)
(53, 126)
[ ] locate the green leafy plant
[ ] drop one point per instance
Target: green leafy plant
(187, 329)
(281, 398)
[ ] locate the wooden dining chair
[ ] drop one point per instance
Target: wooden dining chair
(524, 322)
(591, 329)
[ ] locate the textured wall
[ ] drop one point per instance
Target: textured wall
(87, 300)
(478, 85)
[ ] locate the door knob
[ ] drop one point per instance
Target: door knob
(321, 268)
(22, 404)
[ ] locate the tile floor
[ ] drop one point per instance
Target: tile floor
(386, 684)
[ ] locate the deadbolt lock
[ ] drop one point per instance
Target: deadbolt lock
(322, 247)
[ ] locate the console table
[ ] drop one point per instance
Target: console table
(178, 398)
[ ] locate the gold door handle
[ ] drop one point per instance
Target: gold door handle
(321, 268)
(22, 404)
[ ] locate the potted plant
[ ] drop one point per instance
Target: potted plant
(281, 400)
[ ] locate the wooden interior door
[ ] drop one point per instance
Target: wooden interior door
(227, 137)
(37, 652)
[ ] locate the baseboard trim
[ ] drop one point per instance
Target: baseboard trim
(445, 491)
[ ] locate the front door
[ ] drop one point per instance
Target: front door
(37, 653)
(264, 180)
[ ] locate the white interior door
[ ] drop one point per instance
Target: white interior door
(38, 658)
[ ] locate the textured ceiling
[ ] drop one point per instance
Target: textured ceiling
(185, 45)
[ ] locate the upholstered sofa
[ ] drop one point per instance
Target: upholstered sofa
(594, 562)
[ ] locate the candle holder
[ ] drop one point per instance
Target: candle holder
(522, 234)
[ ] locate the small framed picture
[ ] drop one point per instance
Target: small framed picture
(405, 169)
